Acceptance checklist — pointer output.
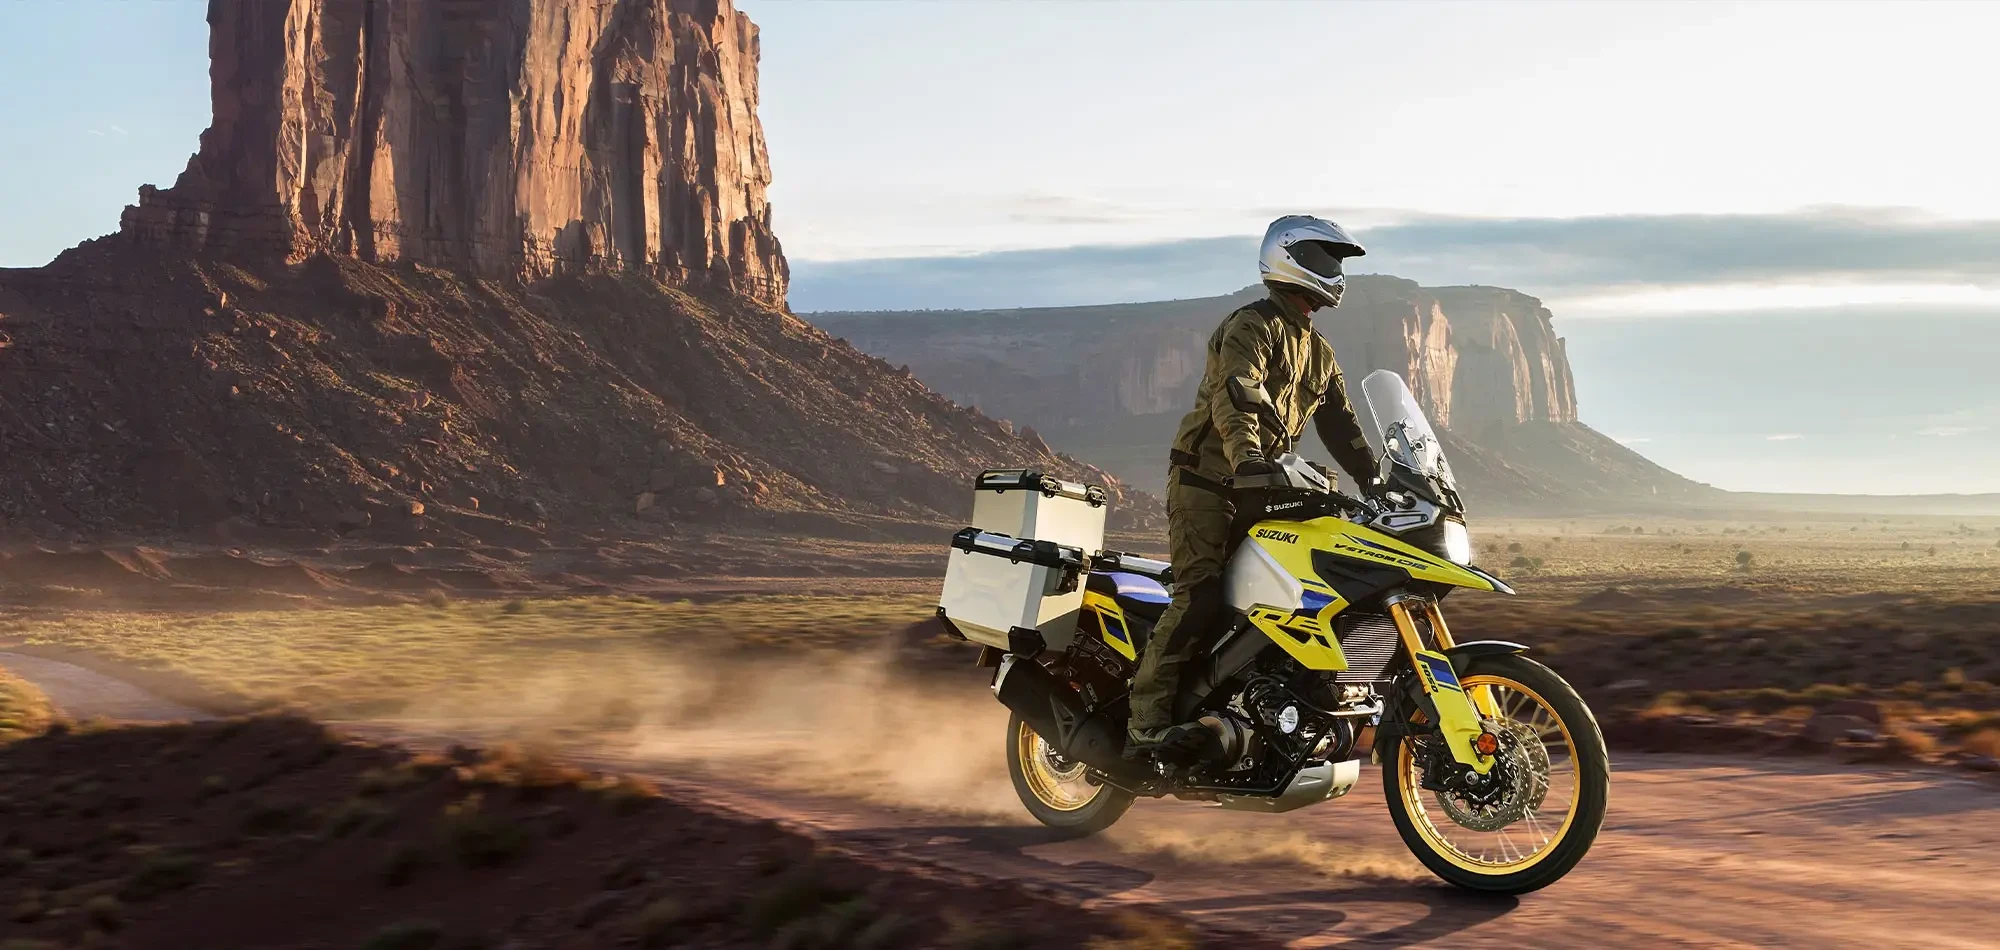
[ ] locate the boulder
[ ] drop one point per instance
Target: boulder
(1864, 709)
(1826, 729)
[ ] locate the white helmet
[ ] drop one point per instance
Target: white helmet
(1305, 252)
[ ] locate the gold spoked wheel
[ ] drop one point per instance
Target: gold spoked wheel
(1056, 790)
(1547, 794)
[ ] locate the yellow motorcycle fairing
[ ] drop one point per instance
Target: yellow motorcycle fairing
(1292, 543)
(1307, 633)
(1111, 623)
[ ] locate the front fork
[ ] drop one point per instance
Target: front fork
(1460, 713)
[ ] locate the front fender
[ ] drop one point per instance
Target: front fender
(1472, 648)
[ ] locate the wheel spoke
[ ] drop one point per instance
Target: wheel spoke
(1535, 801)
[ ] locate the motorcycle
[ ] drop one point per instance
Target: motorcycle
(1494, 770)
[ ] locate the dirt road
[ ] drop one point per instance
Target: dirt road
(1698, 851)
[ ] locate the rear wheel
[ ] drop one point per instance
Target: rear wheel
(1554, 780)
(1058, 791)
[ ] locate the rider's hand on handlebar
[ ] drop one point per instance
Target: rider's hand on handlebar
(1255, 466)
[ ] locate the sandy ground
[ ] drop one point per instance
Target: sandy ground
(1698, 851)
(86, 694)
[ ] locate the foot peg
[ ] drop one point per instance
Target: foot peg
(1182, 746)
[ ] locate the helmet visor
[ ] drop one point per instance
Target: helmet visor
(1320, 257)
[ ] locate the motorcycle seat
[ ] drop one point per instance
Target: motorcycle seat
(1138, 595)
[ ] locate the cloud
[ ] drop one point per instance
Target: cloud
(1784, 437)
(1592, 257)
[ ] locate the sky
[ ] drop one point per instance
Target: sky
(1626, 162)
(911, 130)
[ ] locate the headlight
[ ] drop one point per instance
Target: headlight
(1457, 542)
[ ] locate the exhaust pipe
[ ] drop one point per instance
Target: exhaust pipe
(1056, 713)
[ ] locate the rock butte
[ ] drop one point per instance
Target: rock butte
(512, 139)
(463, 269)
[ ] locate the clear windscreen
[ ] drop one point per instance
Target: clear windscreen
(1405, 432)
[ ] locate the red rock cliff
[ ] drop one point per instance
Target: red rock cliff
(506, 137)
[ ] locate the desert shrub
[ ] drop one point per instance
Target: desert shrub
(964, 933)
(104, 913)
(1984, 742)
(796, 894)
(1910, 740)
(161, 874)
(358, 815)
(659, 923)
(270, 816)
(1821, 693)
(530, 768)
(627, 795)
(378, 781)
(408, 860)
(1744, 560)
(481, 839)
(514, 606)
(406, 935)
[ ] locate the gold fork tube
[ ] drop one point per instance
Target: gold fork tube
(1482, 696)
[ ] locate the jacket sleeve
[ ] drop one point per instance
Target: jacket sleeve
(1242, 348)
(1340, 429)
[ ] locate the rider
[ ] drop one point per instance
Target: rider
(1270, 341)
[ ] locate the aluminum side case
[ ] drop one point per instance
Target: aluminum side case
(1010, 593)
(1031, 506)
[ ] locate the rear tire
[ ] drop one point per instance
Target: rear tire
(1054, 791)
(1428, 828)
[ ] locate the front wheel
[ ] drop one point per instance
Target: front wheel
(1548, 793)
(1057, 791)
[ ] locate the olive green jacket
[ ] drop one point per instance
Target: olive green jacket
(1272, 342)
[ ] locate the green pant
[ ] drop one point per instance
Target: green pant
(1198, 524)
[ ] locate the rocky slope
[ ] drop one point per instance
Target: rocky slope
(479, 263)
(1109, 382)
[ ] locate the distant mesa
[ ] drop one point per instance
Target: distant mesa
(1108, 383)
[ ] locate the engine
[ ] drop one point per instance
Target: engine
(1283, 717)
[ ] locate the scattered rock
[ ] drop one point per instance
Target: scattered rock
(352, 519)
(885, 468)
(644, 503)
(1858, 708)
(1825, 729)
(705, 496)
(1610, 598)
(416, 509)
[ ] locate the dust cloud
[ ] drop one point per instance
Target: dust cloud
(863, 728)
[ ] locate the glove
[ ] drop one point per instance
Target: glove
(1256, 466)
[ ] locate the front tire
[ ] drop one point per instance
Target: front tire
(1057, 792)
(1565, 767)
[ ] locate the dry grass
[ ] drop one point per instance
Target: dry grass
(343, 662)
(24, 711)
